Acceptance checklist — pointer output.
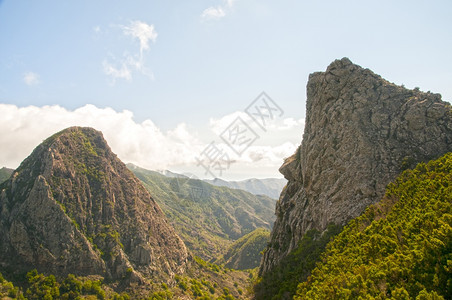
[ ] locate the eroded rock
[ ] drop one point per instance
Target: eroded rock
(361, 132)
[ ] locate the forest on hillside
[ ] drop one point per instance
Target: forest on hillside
(400, 248)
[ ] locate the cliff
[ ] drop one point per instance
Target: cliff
(361, 132)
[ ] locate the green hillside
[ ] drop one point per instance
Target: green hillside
(246, 252)
(400, 248)
(207, 218)
(282, 281)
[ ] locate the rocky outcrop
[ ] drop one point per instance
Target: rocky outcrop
(361, 132)
(73, 207)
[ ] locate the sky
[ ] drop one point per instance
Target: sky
(185, 85)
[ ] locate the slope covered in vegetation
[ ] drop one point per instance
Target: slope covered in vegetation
(400, 248)
(246, 252)
(207, 218)
(282, 281)
(202, 281)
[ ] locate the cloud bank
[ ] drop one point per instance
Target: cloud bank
(143, 144)
(279, 141)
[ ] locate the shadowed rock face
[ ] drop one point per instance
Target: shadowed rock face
(361, 132)
(73, 207)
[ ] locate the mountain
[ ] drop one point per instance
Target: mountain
(73, 207)
(361, 132)
(5, 173)
(170, 174)
(208, 218)
(271, 187)
(246, 252)
(400, 248)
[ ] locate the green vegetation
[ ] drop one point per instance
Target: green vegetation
(203, 280)
(213, 267)
(39, 286)
(7, 289)
(400, 248)
(209, 281)
(202, 284)
(246, 252)
(282, 281)
(207, 218)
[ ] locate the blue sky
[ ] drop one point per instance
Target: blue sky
(176, 70)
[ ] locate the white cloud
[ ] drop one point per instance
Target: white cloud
(123, 68)
(123, 72)
(268, 154)
(143, 32)
(279, 140)
(287, 124)
(219, 125)
(277, 124)
(144, 144)
(229, 3)
(213, 13)
(218, 12)
(31, 78)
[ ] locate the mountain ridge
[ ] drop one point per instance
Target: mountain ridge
(271, 187)
(361, 131)
(73, 207)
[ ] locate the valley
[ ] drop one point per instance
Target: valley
(365, 211)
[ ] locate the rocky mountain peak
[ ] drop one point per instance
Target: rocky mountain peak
(361, 131)
(73, 207)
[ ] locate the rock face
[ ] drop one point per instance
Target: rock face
(361, 132)
(73, 207)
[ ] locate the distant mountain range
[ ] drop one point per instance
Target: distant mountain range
(271, 187)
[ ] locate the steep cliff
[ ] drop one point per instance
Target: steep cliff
(361, 132)
(73, 207)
